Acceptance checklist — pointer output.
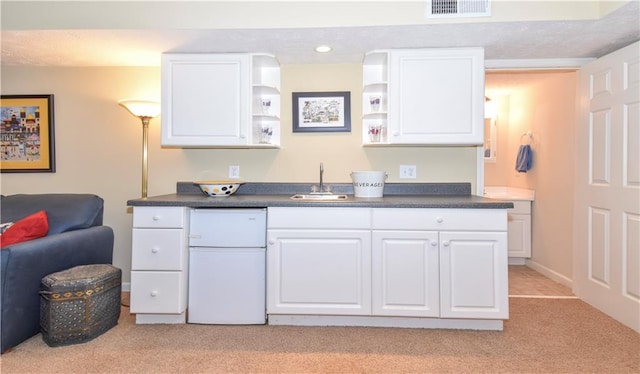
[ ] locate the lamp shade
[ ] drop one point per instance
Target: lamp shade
(141, 108)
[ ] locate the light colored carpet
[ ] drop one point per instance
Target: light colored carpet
(541, 336)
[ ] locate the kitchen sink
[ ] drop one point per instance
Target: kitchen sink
(319, 197)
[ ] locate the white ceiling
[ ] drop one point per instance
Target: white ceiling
(501, 40)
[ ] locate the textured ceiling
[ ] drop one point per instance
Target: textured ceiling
(506, 40)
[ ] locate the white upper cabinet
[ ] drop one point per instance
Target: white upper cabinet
(375, 92)
(265, 101)
(215, 100)
(427, 96)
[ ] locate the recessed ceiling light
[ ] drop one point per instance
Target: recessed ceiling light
(323, 49)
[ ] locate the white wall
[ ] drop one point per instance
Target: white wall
(233, 14)
(98, 143)
(547, 108)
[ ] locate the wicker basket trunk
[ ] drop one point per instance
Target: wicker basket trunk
(79, 304)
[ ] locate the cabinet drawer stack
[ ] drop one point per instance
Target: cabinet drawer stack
(159, 264)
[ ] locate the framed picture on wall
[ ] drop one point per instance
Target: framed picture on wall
(321, 111)
(26, 134)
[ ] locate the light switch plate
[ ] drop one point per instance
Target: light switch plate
(408, 171)
(234, 171)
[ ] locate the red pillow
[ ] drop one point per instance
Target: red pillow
(29, 228)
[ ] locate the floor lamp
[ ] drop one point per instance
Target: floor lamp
(145, 110)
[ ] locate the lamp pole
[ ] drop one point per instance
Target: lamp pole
(145, 146)
(145, 110)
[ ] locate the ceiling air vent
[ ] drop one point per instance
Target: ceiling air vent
(458, 8)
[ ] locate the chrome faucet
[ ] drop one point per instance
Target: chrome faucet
(321, 186)
(321, 189)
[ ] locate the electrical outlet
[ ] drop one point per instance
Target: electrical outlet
(234, 171)
(408, 171)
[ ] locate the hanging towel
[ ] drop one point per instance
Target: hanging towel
(525, 156)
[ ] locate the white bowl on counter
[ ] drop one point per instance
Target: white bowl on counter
(218, 188)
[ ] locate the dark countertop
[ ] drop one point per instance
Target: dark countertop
(263, 195)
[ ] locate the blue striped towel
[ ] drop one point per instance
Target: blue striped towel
(524, 159)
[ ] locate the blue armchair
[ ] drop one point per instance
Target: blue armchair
(76, 237)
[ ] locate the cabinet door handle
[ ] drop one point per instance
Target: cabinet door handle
(154, 293)
(155, 250)
(434, 243)
(446, 243)
(272, 241)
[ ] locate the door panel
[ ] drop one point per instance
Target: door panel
(607, 199)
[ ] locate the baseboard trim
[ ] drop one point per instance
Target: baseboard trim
(375, 321)
(551, 274)
(541, 297)
(151, 319)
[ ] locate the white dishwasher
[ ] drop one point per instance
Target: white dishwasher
(227, 266)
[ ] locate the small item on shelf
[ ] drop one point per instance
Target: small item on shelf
(266, 105)
(374, 133)
(375, 103)
(265, 134)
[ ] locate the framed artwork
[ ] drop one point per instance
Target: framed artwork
(321, 111)
(26, 134)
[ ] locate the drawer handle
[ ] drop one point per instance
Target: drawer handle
(154, 293)
(446, 243)
(156, 218)
(155, 250)
(439, 219)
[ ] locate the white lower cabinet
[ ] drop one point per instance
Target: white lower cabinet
(474, 275)
(447, 274)
(159, 264)
(405, 269)
(318, 261)
(520, 230)
(319, 271)
(441, 264)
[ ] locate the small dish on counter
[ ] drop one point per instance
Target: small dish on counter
(221, 188)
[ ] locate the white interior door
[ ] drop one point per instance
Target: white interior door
(606, 266)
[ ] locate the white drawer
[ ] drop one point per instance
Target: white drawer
(319, 218)
(521, 207)
(158, 292)
(158, 249)
(439, 219)
(159, 217)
